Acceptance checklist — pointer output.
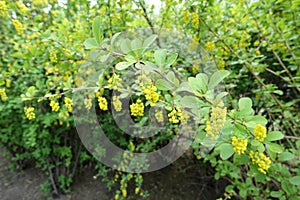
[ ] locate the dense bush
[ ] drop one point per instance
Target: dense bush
(231, 69)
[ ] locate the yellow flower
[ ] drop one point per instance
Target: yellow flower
(151, 94)
(8, 83)
(261, 160)
(3, 94)
(239, 145)
(102, 103)
(210, 46)
(88, 103)
(216, 122)
(260, 132)
(175, 115)
(195, 19)
(115, 82)
(3, 9)
(53, 56)
(68, 104)
(159, 116)
(137, 190)
(116, 197)
(29, 113)
(22, 7)
(186, 16)
(18, 26)
(39, 2)
(54, 105)
(137, 109)
(63, 115)
(124, 193)
(117, 103)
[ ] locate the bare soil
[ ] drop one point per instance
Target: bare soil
(180, 181)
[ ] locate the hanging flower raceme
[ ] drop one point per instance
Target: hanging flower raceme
(68, 104)
(137, 109)
(3, 94)
(102, 103)
(239, 145)
(151, 94)
(195, 19)
(22, 7)
(18, 26)
(54, 105)
(3, 9)
(159, 116)
(115, 82)
(261, 160)
(260, 132)
(216, 122)
(175, 115)
(117, 103)
(29, 113)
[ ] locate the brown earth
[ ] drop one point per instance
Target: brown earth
(180, 181)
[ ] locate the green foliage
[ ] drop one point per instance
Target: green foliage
(250, 128)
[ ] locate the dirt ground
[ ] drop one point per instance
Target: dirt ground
(179, 181)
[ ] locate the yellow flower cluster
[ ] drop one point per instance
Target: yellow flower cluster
(239, 145)
(102, 103)
(3, 9)
(88, 103)
(22, 7)
(53, 56)
(159, 116)
(175, 115)
(3, 94)
(195, 19)
(115, 82)
(39, 2)
(29, 113)
(216, 122)
(117, 103)
(151, 94)
(260, 132)
(68, 104)
(54, 105)
(186, 16)
(18, 26)
(137, 109)
(210, 46)
(261, 160)
(8, 83)
(63, 115)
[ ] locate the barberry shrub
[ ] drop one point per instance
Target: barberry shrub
(244, 111)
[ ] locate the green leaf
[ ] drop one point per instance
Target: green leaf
(190, 102)
(274, 135)
(149, 41)
(90, 43)
(285, 156)
(274, 147)
(124, 65)
(251, 121)
(160, 57)
(113, 39)
(216, 78)
(221, 95)
(136, 44)
(162, 84)
(245, 103)
(226, 151)
(30, 91)
(97, 29)
(295, 180)
(125, 46)
(171, 59)
(276, 194)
